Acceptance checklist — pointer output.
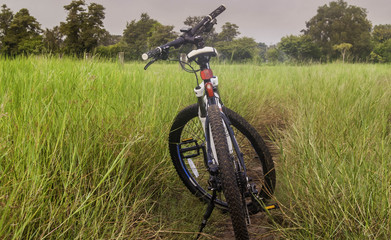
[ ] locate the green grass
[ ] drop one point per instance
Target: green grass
(83, 148)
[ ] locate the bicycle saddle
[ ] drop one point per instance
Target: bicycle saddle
(206, 51)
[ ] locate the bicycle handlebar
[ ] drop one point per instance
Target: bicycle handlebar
(157, 51)
(185, 37)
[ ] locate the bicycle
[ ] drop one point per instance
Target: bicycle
(217, 154)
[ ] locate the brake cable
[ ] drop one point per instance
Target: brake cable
(182, 63)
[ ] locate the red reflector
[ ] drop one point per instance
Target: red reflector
(209, 89)
(206, 74)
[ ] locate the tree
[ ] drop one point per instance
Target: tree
(93, 30)
(238, 50)
(108, 39)
(343, 48)
(192, 21)
(300, 48)
(381, 33)
(229, 32)
(382, 43)
(6, 17)
(53, 40)
(23, 35)
(160, 35)
(382, 52)
(338, 23)
(72, 27)
(82, 30)
(262, 51)
(145, 34)
(273, 55)
(235, 49)
(137, 33)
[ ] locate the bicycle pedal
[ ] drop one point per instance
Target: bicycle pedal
(187, 140)
(272, 206)
(185, 148)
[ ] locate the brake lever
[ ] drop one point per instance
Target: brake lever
(150, 63)
(163, 56)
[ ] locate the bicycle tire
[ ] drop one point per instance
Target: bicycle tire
(227, 174)
(257, 157)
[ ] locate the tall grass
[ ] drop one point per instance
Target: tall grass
(336, 152)
(83, 147)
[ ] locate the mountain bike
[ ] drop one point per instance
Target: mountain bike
(217, 154)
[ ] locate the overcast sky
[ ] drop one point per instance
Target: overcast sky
(265, 20)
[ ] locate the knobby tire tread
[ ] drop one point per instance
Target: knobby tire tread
(227, 174)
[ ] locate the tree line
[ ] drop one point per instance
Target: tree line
(337, 31)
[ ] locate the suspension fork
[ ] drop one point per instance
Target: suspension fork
(212, 97)
(207, 95)
(235, 144)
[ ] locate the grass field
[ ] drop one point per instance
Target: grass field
(83, 148)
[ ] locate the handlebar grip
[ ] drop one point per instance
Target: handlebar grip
(151, 53)
(207, 19)
(217, 12)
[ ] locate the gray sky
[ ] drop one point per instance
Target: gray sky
(265, 20)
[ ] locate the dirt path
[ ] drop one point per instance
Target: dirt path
(260, 229)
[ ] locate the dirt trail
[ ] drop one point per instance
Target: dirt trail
(259, 229)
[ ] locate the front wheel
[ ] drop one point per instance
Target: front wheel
(188, 148)
(227, 174)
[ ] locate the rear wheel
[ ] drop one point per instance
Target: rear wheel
(187, 133)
